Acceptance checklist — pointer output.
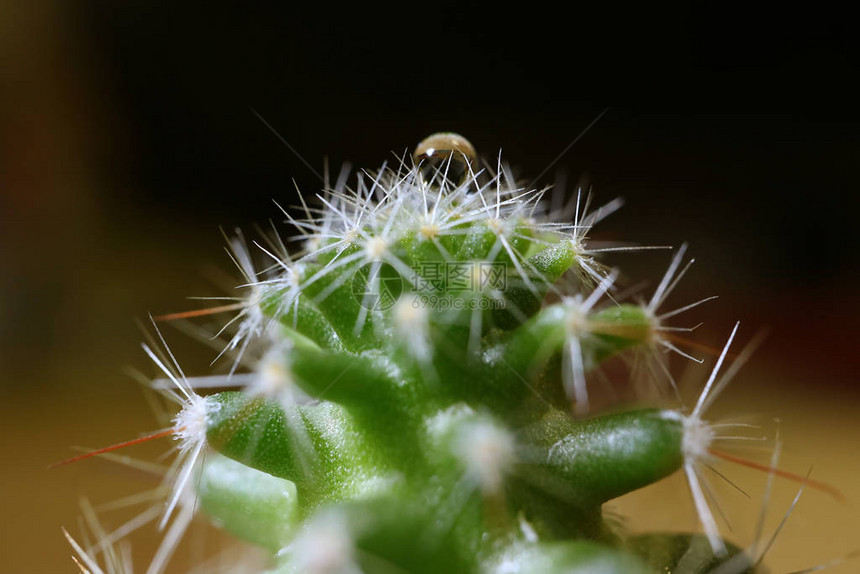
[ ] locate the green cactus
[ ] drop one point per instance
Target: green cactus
(417, 399)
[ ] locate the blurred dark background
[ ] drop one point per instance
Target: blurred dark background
(127, 138)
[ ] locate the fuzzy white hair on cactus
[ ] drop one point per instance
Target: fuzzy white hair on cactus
(273, 378)
(699, 435)
(189, 429)
(487, 451)
(583, 222)
(577, 327)
(412, 322)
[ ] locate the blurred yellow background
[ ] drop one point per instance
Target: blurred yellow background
(111, 198)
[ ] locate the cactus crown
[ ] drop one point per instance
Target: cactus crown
(416, 395)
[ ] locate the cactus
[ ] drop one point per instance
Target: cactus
(412, 390)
